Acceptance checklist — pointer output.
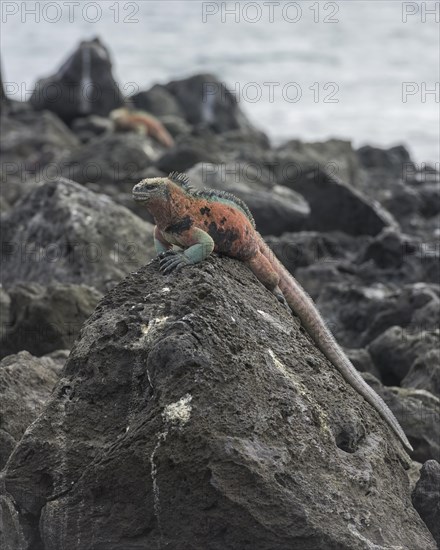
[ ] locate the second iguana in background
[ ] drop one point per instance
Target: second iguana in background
(207, 220)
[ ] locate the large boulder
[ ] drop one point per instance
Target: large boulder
(32, 144)
(316, 277)
(25, 385)
(336, 156)
(401, 257)
(359, 314)
(426, 497)
(304, 248)
(275, 211)
(414, 306)
(408, 190)
(202, 146)
(5, 307)
(44, 319)
(430, 196)
(111, 158)
(62, 232)
(393, 161)
(336, 206)
(193, 408)
(92, 126)
(350, 309)
(206, 101)
(32, 139)
(397, 349)
(82, 86)
(158, 101)
(424, 373)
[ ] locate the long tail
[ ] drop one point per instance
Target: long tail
(302, 305)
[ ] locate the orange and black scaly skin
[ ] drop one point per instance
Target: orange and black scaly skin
(229, 228)
(204, 221)
(213, 220)
(126, 120)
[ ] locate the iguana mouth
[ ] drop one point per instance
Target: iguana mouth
(139, 196)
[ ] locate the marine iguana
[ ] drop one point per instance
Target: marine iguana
(142, 122)
(207, 220)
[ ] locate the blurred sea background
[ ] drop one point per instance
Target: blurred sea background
(337, 71)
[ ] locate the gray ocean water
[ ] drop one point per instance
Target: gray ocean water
(359, 70)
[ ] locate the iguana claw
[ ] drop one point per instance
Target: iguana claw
(172, 261)
(280, 297)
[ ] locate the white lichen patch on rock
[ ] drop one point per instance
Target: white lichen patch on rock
(304, 393)
(277, 362)
(274, 322)
(178, 412)
(369, 545)
(153, 325)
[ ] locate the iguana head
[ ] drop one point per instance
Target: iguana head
(151, 189)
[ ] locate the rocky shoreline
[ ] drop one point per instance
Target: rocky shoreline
(358, 228)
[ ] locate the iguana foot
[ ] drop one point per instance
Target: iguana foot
(172, 260)
(280, 297)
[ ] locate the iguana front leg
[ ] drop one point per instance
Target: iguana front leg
(160, 243)
(198, 246)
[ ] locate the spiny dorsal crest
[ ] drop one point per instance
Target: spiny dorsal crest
(180, 179)
(183, 181)
(214, 194)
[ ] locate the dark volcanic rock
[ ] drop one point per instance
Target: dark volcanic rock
(193, 408)
(388, 249)
(176, 126)
(87, 128)
(410, 192)
(359, 314)
(350, 309)
(63, 232)
(44, 319)
(403, 202)
(418, 412)
(424, 373)
(336, 206)
(31, 145)
(33, 139)
(426, 497)
(430, 197)
(236, 174)
(206, 101)
(5, 306)
(276, 211)
(305, 248)
(318, 276)
(335, 156)
(392, 160)
(201, 147)
(25, 385)
(414, 306)
(111, 158)
(82, 86)
(402, 257)
(158, 101)
(397, 349)
(184, 156)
